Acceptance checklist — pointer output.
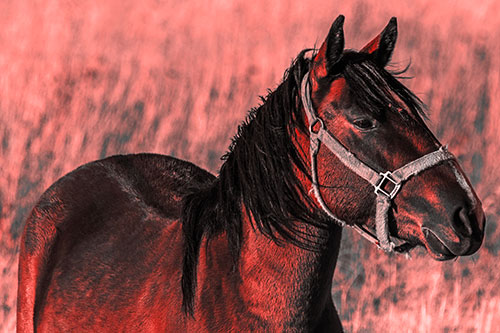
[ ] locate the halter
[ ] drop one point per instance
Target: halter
(379, 180)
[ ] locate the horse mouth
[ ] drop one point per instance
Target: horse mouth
(436, 248)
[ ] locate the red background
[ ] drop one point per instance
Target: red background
(81, 80)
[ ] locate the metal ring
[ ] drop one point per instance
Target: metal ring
(314, 122)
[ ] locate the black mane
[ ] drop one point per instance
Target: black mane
(259, 170)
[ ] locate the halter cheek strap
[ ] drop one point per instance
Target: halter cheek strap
(386, 184)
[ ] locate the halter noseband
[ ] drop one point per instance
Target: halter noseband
(379, 180)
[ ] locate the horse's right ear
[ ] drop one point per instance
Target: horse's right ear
(329, 52)
(382, 46)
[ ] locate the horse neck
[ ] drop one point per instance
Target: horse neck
(276, 280)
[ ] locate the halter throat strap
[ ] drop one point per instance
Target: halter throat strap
(386, 184)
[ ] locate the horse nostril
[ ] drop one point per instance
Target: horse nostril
(461, 223)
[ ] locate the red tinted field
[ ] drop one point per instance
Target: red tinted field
(80, 81)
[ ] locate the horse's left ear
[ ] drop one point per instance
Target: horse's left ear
(381, 47)
(330, 51)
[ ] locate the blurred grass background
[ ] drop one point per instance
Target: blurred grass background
(81, 80)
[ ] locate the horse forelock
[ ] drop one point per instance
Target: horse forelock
(372, 88)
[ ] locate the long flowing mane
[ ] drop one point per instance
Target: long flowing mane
(259, 170)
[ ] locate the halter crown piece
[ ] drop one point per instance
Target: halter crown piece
(379, 180)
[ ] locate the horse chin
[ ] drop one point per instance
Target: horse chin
(437, 249)
(441, 256)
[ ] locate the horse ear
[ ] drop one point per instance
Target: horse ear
(330, 51)
(381, 47)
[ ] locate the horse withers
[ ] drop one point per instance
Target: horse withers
(151, 243)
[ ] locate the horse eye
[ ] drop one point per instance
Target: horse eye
(364, 124)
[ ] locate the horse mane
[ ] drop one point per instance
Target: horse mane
(259, 170)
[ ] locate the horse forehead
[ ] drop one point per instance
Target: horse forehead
(337, 92)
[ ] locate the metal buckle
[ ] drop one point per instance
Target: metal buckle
(314, 122)
(387, 178)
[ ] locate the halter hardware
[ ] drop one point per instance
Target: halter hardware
(387, 178)
(313, 124)
(379, 180)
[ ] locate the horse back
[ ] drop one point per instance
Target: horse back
(103, 247)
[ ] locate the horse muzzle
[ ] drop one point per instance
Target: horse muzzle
(462, 236)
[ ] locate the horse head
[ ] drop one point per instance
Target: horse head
(363, 107)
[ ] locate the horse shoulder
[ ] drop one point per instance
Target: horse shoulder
(104, 246)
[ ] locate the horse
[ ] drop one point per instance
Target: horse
(148, 242)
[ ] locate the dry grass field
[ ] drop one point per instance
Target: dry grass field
(81, 80)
